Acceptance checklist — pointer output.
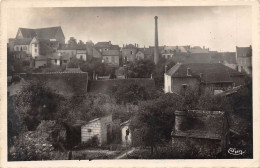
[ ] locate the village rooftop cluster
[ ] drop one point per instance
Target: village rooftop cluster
(215, 74)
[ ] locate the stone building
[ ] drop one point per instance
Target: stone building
(244, 59)
(111, 57)
(99, 127)
(213, 77)
(126, 133)
(81, 52)
(129, 52)
(204, 131)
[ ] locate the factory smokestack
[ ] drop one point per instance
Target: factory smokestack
(156, 51)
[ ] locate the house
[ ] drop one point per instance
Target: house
(99, 127)
(40, 62)
(126, 133)
(81, 52)
(140, 54)
(22, 45)
(67, 49)
(206, 131)
(244, 59)
(111, 57)
(103, 46)
(48, 33)
(215, 78)
(129, 52)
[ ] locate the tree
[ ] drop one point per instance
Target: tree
(140, 69)
(155, 119)
(130, 93)
(37, 102)
(72, 41)
(80, 42)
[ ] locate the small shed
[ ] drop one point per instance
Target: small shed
(126, 133)
(99, 127)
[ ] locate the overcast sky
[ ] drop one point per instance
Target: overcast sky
(219, 28)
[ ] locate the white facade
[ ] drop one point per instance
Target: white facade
(126, 139)
(167, 83)
(35, 47)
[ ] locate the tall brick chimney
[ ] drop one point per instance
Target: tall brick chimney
(156, 50)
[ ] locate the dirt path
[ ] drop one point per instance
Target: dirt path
(125, 153)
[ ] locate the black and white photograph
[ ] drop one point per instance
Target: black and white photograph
(129, 82)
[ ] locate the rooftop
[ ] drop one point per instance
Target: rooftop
(211, 73)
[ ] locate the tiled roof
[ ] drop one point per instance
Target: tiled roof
(42, 33)
(203, 124)
(111, 53)
(103, 44)
(244, 51)
(27, 33)
(25, 41)
(212, 73)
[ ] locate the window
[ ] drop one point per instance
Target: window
(55, 61)
(89, 130)
(113, 59)
(35, 50)
(131, 52)
(65, 61)
(17, 48)
(81, 57)
(35, 45)
(184, 86)
(24, 48)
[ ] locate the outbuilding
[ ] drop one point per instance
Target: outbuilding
(126, 133)
(100, 128)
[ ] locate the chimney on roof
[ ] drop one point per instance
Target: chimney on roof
(137, 45)
(156, 50)
(144, 47)
(180, 120)
(109, 42)
(123, 45)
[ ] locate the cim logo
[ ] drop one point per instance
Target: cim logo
(235, 151)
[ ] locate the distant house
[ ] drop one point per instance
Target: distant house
(126, 133)
(99, 127)
(206, 131)
(140, 54)
(81, 52)
(67, 49)
(213, 77)
(103, 46)
(244, 59)
(129, 52)
(111, 57)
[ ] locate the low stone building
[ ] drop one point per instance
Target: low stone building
(126, 133)
(99, 127)
(214, 77)
(203, 131)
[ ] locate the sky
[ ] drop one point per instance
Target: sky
(218, 28)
